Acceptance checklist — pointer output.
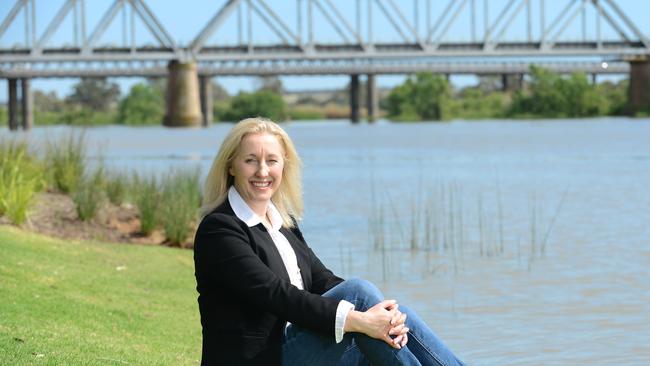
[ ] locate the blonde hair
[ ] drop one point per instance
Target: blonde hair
(287, 199)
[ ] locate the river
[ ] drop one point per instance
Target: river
(519, 242)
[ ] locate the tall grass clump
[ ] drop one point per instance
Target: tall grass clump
(181, 200)
(146, 196)
(21, 177)
(89, 194)
(66, 161)
(117, 185)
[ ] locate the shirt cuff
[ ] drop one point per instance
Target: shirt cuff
(341, 314)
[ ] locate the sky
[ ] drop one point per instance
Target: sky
(185, 21)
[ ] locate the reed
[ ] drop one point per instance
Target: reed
(146, 196)
(533, 211)
(66, 162)
(547, 233)
(89, 194)
(117, 185)
(181, 198)
(21, 177)
(437, 222)
(500, 218)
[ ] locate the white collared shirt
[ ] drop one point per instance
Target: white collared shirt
(246, 214)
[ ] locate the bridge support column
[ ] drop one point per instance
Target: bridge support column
(371, 95)
(206, 99)
(27, 105)
(512, 82)
(12, 107)
(354, 98)
(639, 91)
(183, 103)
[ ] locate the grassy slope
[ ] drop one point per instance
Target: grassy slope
(86, 303)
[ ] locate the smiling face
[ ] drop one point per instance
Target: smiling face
(257, 170)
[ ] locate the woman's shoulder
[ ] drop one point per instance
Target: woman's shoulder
(221, 217)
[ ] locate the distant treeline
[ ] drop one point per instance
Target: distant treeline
(422, 97)
(545, 94)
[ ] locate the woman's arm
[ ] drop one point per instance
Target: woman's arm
(224, 257)
(376, 323)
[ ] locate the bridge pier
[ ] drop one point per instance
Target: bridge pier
(206, 99)
(12, 107)
(639, 90)
(183, 102)
(512, 82)
(27, 104)
(372, 100)
(354, 98)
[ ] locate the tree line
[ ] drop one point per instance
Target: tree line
(421, 97)
(545, 94)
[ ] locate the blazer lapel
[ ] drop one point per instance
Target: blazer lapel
(273, 257)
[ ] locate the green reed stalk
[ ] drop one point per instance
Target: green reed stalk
(397, 220)
(415, 224)
(146, 197)
(481, 229)
(181, 198)
(89, 194)
(533, 230)
(552, 223)
(461, 225)
(452, 228)
(500, 218)
(66, 160)
(21, 177)
(117, 187)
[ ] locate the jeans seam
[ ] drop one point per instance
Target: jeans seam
(431, 353)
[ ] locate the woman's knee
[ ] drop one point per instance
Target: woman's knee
(366, 294)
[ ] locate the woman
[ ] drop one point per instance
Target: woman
(264, 296)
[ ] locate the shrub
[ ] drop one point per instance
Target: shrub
(306, 113)
(21, 177)
(555, 96)
(181, 199)
(66, 161)
(89, 194)
(143, 105)
(116, 188)
(261, 103)
(423, 97)
(146, 197)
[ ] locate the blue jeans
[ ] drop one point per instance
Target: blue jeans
(305, 347)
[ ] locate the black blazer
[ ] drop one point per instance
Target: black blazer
(245, 296)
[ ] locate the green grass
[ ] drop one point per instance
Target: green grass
(87, 303)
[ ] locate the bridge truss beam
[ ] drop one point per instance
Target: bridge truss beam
(299, 42)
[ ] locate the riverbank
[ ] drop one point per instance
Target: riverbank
(69, 302)
(55, 215)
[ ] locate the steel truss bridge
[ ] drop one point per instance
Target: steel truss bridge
(299, 52)
(425, 39)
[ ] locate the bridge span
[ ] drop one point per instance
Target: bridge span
(273, 37)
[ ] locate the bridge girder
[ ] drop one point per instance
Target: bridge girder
(299, 42)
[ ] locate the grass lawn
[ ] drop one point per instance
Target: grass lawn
(87, 303)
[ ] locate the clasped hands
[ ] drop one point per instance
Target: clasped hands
(383, 321)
